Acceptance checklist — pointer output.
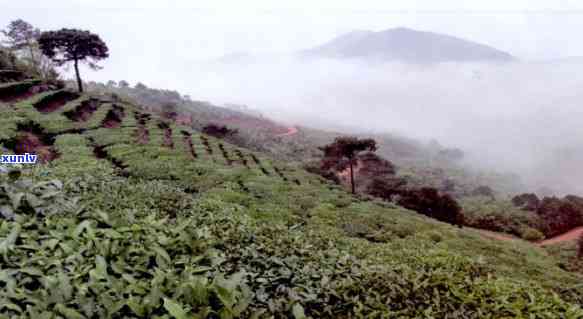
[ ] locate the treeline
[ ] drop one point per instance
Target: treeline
(556, 215)
(350, 158)
(20, 51)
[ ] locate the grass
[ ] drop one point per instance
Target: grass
(196, 238)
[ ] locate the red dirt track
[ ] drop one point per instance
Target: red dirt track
(566, 237)
(290, 131)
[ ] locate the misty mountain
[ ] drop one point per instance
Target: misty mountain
(407, 45)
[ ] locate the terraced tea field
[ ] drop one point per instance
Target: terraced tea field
(130, 215)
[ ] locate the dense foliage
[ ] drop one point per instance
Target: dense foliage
(429, 202)
(22, 52)
(342, 153)
(70, 45)
(218, 131)
(560, 215)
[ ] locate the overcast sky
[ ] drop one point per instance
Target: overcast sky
(156, 34)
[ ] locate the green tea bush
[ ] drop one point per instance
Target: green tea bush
(531, 234)
(498, 215)
(25, 197)
(179, 237)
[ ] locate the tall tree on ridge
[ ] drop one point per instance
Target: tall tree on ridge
(348, 147)
(71, 45)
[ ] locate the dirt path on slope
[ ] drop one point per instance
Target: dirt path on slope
(571, 235)
(290, 131)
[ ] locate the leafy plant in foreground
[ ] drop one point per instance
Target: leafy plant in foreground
(24, 196)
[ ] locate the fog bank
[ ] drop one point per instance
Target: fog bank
(519, 117)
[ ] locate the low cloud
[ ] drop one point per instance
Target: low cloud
(517, 117)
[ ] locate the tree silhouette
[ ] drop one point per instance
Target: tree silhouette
(343, 151)
(71, 45)
(21, 35)
(140, 86)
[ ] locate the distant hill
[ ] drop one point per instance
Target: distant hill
(407, 45)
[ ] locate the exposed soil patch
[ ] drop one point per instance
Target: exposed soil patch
(101, 153)
(186, 137)
(84, 110)
(280, 173)
(11, 75)
(242, 158)
(206, 144)
(168, 142)
(243, 187)
(255, 159)
(32, 138)
(21, 92)
(113, 117)
(264, 171)
(225, 154)
(143, 135)
(258, 162)
(55, 101)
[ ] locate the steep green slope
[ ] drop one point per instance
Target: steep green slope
(149, 219)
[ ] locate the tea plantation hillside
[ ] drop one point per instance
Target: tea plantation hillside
(130, 216)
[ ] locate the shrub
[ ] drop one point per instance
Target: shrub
(531, 234)
(435, 237)
(529, 202)
(385, 188)
(559, 216)
(429, 202)
(24, 197)
(218, 131)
